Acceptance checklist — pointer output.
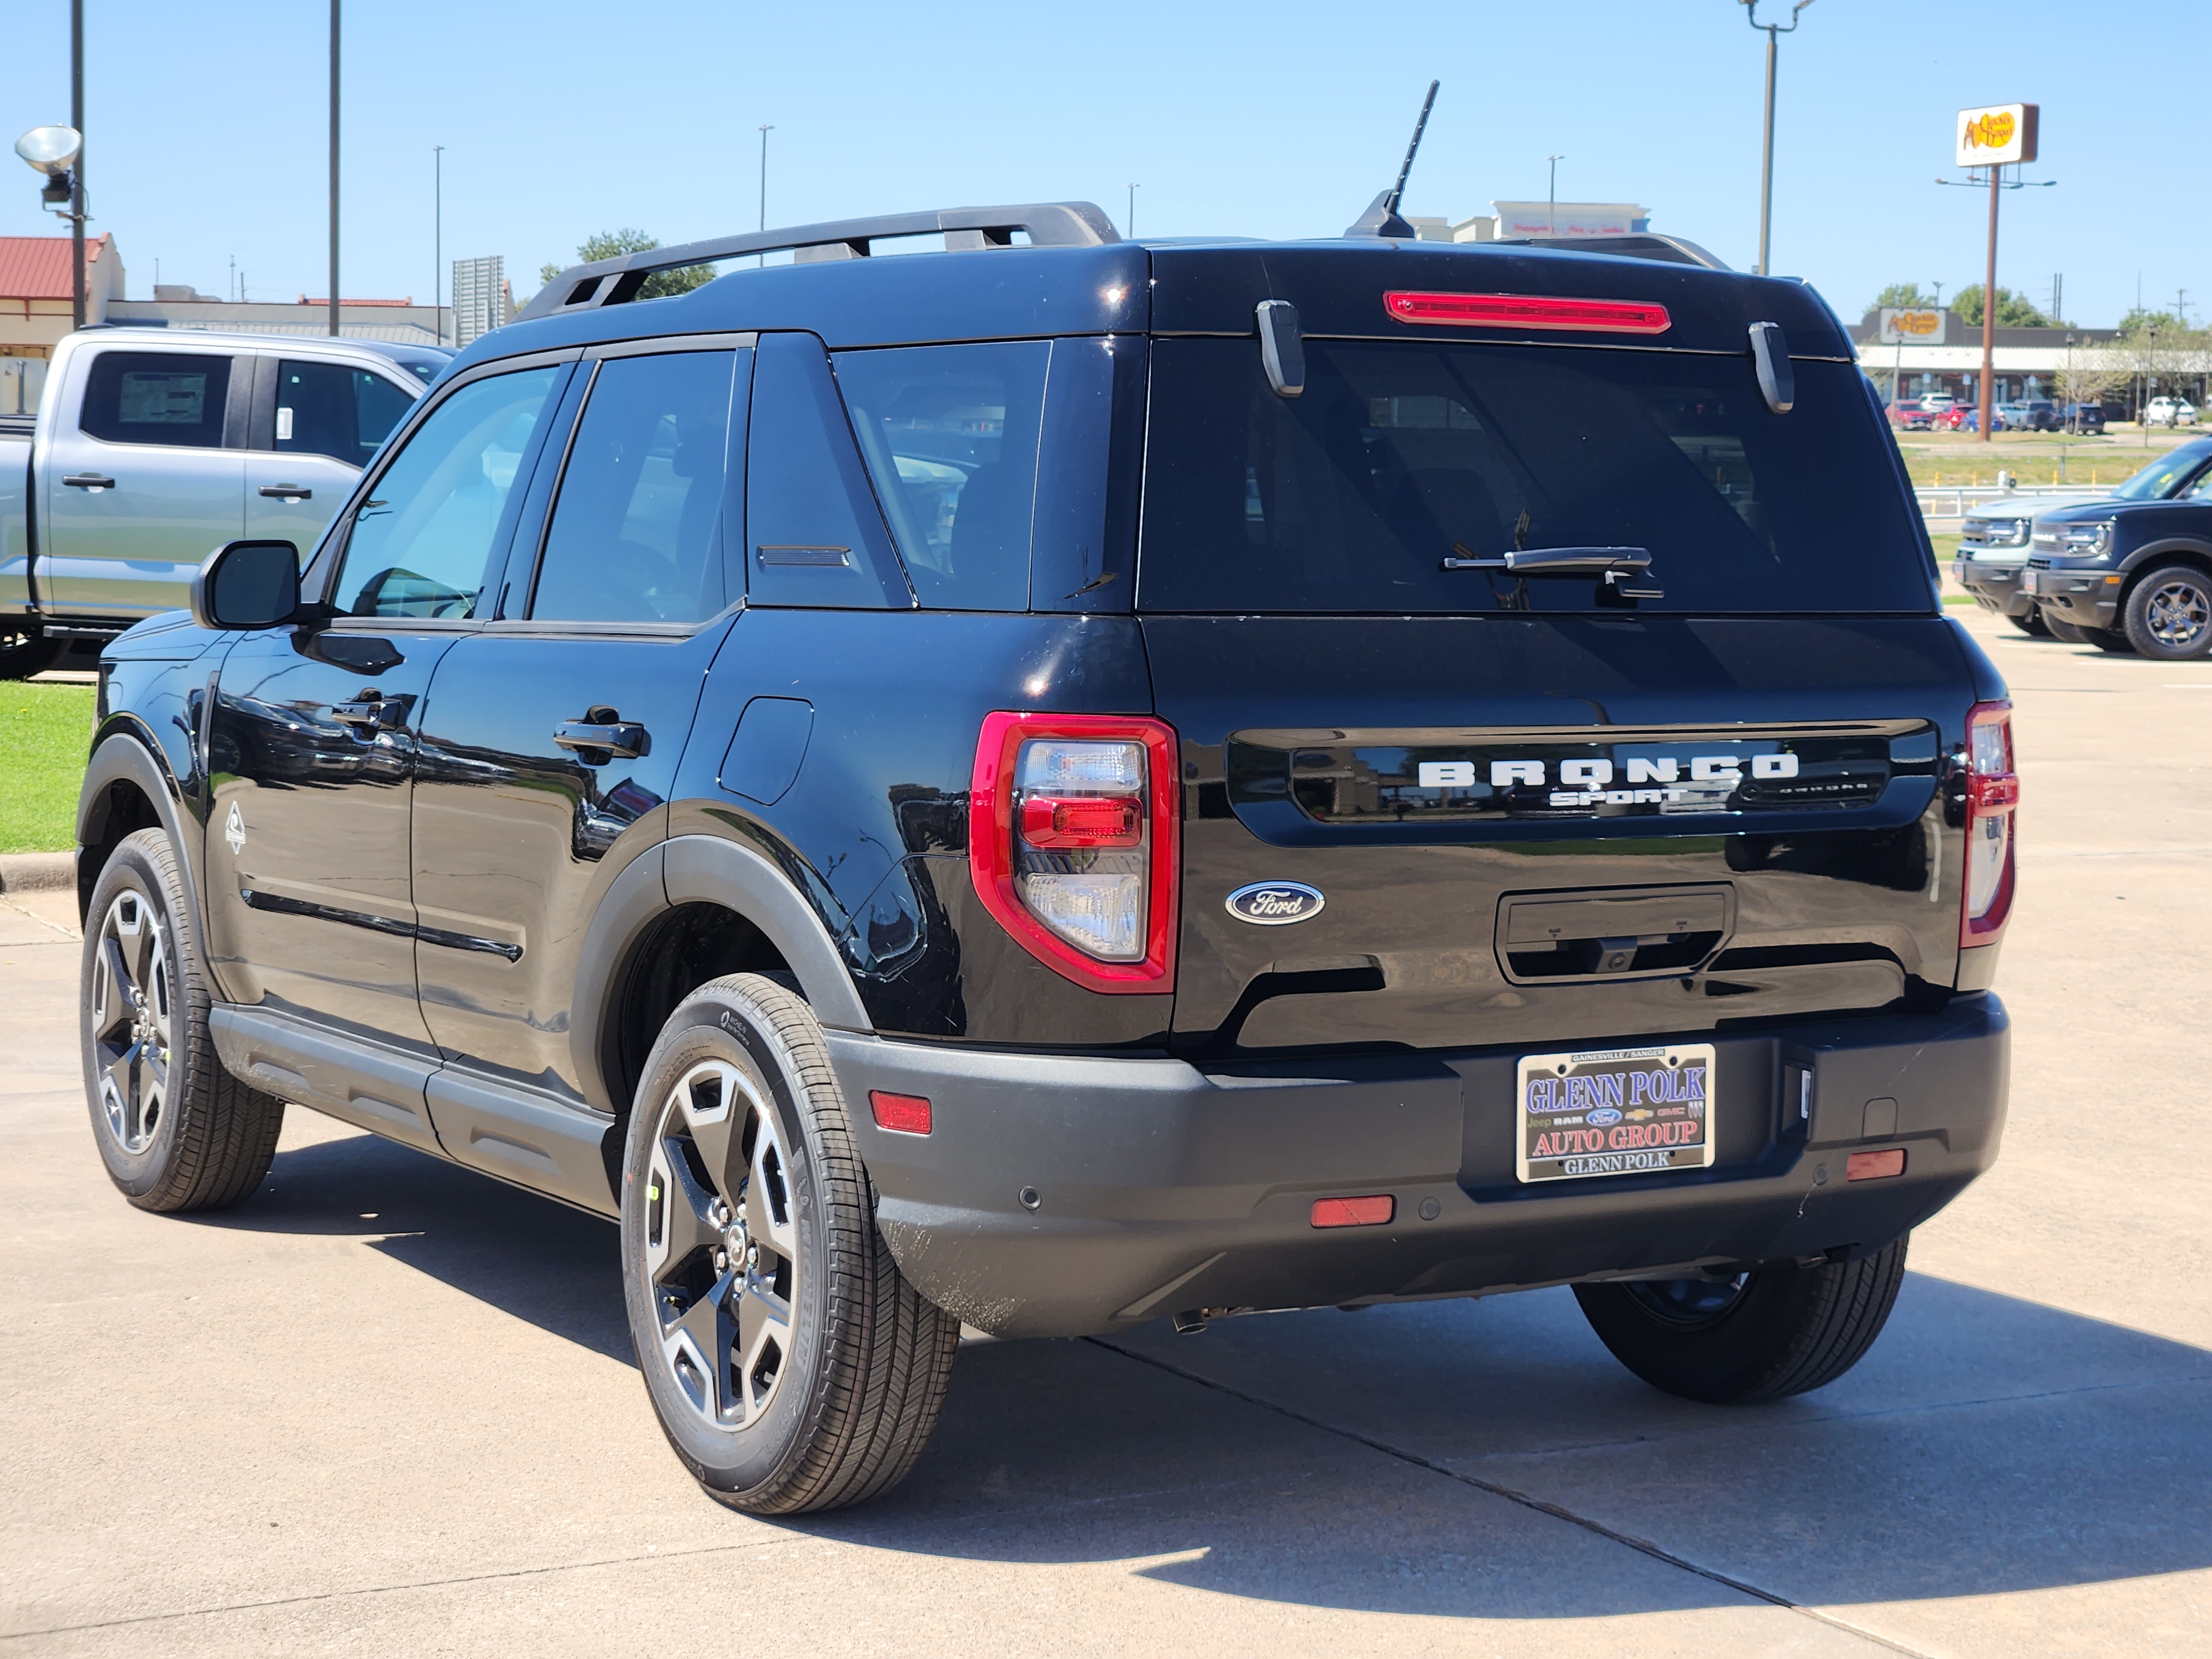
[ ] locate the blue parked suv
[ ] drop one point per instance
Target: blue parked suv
(1066, 783)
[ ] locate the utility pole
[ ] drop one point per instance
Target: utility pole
(76, 173)
(334, 169)
(1766, 168)
(438, 237)
(1132, 219)
(762, 259)
(1551, 200)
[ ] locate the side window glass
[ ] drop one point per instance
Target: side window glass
(419, 543)
(636, 532)
(815, 534)
(950, 435)
(156, 398)
(331, 409)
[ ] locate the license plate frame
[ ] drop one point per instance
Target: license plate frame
(1592, 1112)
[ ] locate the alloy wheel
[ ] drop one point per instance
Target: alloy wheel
(2176, 614)
(1691, 1303)
(721, 1244)
(133, 1019)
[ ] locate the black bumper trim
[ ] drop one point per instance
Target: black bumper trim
(1162, 1186)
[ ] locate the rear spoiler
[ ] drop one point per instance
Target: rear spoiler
(1644, 244)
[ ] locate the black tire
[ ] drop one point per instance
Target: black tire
(2168, 613)
(176, 1131)
(1781, 1330)
(2031, 623)
(25, 651)
(2065, 632)
(791, 1366)
(2107, 640)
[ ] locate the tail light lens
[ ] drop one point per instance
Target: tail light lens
(1074, 823)
(1992, 794)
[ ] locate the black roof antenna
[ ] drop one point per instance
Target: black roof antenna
(1381, 218)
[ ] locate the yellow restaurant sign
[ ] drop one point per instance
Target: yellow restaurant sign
(1911, 326)
(1996, 134)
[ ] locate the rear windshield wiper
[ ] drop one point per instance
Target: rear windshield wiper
(1614, 566)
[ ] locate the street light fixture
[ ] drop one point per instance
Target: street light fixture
(54, 152)
(1766, 168)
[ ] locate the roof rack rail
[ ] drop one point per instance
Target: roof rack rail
(616, 282)
(1643, 244)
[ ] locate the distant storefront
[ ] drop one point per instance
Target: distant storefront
(1942, 353)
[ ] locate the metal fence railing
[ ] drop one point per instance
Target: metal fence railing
(1949, 502)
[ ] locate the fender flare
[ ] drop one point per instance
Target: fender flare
(2192, 550)
(700, 870)
(122, 756)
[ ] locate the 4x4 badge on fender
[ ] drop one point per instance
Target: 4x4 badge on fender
(1275, 903)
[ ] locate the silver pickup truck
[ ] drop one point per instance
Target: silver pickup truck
(152, 447)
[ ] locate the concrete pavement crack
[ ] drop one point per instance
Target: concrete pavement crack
(1526, 1500)
(388, 1590)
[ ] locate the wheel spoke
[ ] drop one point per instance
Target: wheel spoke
(764, 1341)
(768, 1193)
(691, 1224)
(712, 1332)
(713, 1099)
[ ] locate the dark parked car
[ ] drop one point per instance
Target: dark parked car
(1070, 782)
(2129, 574)
(2084, 417)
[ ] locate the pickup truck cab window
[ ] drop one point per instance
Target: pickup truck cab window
(637, 529)
(335, 410)
(421, 542)
(154, 398)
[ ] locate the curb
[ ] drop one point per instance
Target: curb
(31, 872)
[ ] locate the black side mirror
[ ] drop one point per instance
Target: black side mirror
(248, 585)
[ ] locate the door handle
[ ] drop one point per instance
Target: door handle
(607, 740)
(88, 481)
(287, 492)
(371, 712)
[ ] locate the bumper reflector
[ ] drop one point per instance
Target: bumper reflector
(904, 1114)
(1354, 1212)
(1875, 1166)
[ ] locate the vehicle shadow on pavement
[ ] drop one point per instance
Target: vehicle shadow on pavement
(1392, 1460)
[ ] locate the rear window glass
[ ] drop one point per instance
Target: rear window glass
(950, 433)
(157, 398)
(1403, 455)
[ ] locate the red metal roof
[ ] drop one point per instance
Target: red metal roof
(324, 302)
(38, 267)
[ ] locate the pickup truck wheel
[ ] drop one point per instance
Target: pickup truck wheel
(25, 651)
(176, 1131)
(1777, 1330)
(2168, 615)
(792, 1367)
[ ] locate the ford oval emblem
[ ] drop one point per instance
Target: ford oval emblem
(1275, 903)
(1604, 1116)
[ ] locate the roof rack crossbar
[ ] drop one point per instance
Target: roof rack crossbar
(616, 281)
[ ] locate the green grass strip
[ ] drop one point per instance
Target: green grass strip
(46, 736)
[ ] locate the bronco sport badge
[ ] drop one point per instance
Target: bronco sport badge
(1275, 903)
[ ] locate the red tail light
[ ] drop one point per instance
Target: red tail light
(1529, 311)
(1992, 794)
(1075, 828)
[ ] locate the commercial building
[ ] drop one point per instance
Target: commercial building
(1513, 221)
(481, 300)
(36, 310)
(1942, 353)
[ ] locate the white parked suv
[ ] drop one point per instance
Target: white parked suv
(2170, 411)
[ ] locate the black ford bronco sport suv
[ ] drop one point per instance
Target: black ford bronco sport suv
(1063, 782)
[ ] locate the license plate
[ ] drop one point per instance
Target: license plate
(1959, 569)
(2027, 581)
(1614, 1111)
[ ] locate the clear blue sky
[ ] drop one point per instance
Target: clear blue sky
(206, 126)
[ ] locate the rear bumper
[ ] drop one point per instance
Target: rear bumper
(1159, 1186)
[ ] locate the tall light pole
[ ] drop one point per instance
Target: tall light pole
(76, 173)
(334, 169)
(1132, 219)
(438, 237)
(762, 259)
(1551, 196)
(1766, 167)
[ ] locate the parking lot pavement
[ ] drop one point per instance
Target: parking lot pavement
(388, 1407)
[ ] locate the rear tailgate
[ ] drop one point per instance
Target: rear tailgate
(1583, 906)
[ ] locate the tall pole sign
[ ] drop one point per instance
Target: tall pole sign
(1993, 137)
(76, 173)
